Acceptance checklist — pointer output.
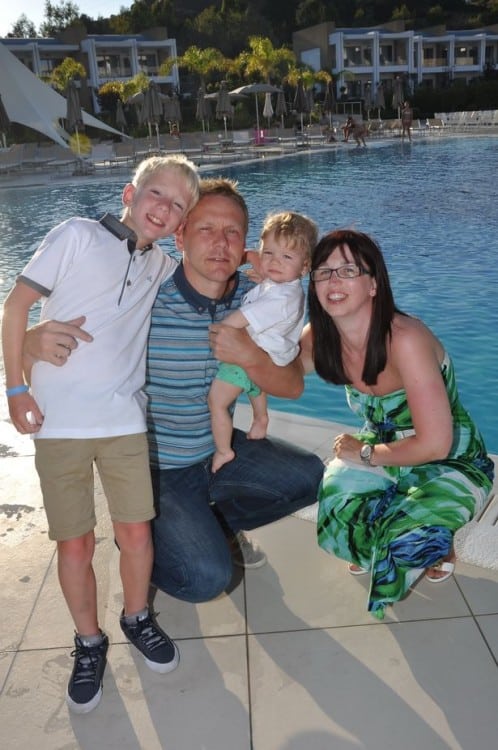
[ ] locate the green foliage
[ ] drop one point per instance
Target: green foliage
(202, 62)
(229, 29)
(108, 95)
(23, 28)
(458, 97)
(229, 23)
(402, 13)
(263, 60)
(435, 14)
(66, 72)
(58, 17)
(310, 12)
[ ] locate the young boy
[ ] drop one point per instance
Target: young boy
(273, 313)
(92, 409)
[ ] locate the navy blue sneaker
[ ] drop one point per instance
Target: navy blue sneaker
(159, 651)
(84, 689)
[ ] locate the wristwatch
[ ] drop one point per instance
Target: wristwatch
(366, 453)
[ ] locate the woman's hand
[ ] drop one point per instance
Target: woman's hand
(347, 447)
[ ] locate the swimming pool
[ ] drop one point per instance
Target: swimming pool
(431, 206)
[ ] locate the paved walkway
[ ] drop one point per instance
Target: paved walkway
(289, 660)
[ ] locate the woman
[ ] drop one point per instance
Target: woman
(394, 494)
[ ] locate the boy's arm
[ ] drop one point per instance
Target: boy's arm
(15, 317)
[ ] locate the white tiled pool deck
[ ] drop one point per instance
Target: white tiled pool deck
(289, 660)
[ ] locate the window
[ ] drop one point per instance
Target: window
(386, 54)
(147, 62)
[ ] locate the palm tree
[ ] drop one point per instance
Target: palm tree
(202, 62)
(66, 72)
(263, 60)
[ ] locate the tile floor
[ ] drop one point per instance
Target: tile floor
(289, 660)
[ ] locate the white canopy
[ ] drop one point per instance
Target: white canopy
(31, 102)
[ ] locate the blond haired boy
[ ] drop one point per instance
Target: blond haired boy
(92, 410)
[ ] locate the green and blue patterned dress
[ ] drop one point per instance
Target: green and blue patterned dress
(395, 521)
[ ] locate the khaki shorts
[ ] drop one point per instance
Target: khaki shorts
(65, 468)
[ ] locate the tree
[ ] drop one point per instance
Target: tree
(310, 12)
(264, 60)
(228, 28)
(23, 28)
(66, 72)
(58, 17)
(202, 62)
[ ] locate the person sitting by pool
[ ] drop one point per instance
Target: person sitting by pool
(395, 492)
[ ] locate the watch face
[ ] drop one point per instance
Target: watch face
(366, 452)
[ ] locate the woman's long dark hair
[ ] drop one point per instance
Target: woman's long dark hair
(327, 352)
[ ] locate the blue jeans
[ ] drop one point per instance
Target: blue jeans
(267, 480)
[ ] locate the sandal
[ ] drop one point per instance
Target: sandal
(355, 570)
(446, 567)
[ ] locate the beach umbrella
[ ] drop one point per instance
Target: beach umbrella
(380, 101)
(224, 107)
(329, 101)
(203, 109)
(152, 109)
(120, 116)
(367, 96)
(398, 96)
(281, 106)
(168, 108)
(137, 100)
(150, 104)
(4, 122)
(172, 112)
(256, 88)
(74, 115)
(268, 109)
(301, 102)
(175, 108)
(310, 95)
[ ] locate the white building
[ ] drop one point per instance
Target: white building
(106, 57)
(363, 57)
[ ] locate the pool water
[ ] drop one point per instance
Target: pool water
(430, 205)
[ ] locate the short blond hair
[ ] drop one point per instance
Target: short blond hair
(298, 230)
(227, 188)
(174, 162)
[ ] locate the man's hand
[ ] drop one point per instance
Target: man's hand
(235, 346)
(53, 341)
(232, 345)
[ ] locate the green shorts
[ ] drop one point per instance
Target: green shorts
(237, 376)
(65, 468)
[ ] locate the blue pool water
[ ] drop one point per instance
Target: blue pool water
(431, 206)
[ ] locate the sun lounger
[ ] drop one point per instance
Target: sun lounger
(11, 159)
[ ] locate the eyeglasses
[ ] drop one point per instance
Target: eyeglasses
(348, 271)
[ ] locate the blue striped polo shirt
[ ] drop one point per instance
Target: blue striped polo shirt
(180, 368)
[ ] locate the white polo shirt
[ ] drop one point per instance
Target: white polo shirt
(82, 268)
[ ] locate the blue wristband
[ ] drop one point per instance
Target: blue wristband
(16, 390)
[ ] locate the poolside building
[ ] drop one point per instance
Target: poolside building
(361, 58)
(105, 57)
